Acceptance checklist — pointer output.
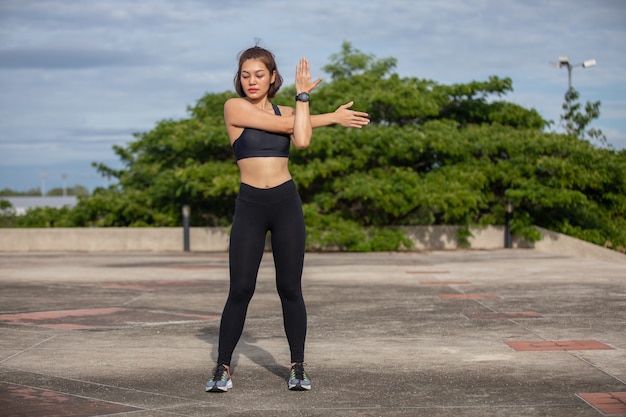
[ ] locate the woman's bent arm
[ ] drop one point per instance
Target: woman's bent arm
(302, 128)
(241, 113)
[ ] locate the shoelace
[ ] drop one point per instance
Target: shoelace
(221, 373)
(298, 370)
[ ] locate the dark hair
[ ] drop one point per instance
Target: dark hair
(265, 56)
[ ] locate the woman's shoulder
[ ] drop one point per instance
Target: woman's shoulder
(235, 101)
(286, 110)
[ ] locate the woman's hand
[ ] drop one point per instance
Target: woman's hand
(303, 77)
(351, 118)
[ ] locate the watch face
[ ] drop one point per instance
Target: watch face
(303, 97)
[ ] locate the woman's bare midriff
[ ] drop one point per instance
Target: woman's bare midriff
(264, 172)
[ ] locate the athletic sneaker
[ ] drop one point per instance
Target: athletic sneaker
(221, 381)
(298, 379)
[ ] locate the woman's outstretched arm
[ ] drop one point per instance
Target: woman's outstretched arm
(342, 116)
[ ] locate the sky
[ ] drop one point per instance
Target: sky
(80, 77)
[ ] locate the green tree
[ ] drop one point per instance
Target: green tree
(577, 121)
(7, 214)
(77, 190)
(433, 155)
(7, 192)
(179, 162)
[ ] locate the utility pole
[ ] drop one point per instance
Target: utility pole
(64, 177)
(43, 175)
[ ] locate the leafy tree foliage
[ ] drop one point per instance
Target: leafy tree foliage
(77, 190)
(7, 192)
(7, 214)
(576, 121)
(434, 154)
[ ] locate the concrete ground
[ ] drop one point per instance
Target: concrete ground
(460, 333)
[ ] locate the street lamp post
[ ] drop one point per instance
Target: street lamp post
(186, 213)
(508, 236)
(564, 62)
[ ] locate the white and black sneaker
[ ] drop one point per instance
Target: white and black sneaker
(298, 378)
(221, 381)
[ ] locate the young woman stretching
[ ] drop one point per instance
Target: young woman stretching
(261, 134)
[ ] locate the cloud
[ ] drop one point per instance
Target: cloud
(59, 58)
(88, 74)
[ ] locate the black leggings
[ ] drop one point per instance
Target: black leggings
(257, 211)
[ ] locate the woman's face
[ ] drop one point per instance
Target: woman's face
(256, 79)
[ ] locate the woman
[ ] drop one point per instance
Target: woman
(261, 133)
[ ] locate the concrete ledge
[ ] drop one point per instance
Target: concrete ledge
(205, 239)
(112, 239)
(445, 238)
(557, 243)
(170, 239)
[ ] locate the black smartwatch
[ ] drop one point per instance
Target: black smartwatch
(304, 97)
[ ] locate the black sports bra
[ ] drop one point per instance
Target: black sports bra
(254, 143)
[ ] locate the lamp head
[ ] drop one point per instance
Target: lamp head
(589, 63)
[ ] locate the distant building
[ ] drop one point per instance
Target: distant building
(21, 204)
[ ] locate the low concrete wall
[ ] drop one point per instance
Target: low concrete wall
(170, 239)
(113, 239)
(445, 238)
(557, 243)
(203, 239)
